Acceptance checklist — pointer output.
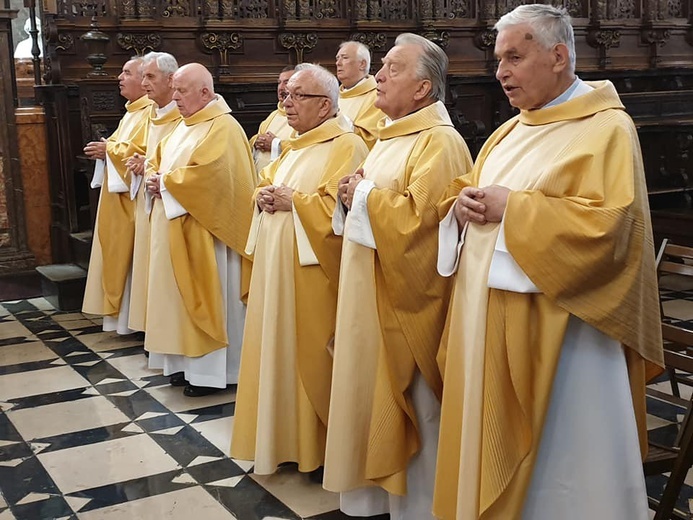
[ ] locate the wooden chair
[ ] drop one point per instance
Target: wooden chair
(674, 260)
(678, 458)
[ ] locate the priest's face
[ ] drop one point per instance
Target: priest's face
(350, 70)
(189, 93)
(400, 91)
(157, 84)
(282, 82)
(307, 104)
(130, 80)
(531, 75)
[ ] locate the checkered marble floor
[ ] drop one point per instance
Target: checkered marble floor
(88, 432)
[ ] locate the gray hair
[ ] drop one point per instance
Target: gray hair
(433, 63)
(362, 53)
(325, 78)
(551, 26)
(165, 62)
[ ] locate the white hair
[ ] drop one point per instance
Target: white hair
(325, 78)
(165, 62)
(432, 65)
(550, 25)
(362, 52)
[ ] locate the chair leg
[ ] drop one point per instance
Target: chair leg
(674, 383)
(683, 463)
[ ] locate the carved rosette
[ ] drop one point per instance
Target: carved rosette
(486, 39)
(299, 42)
(325, 9)
(139, 42)
(176, 8)
(440, 38)
(211, 8)
(127, 9)
(65, 42)
(222, 43)
(372, 40)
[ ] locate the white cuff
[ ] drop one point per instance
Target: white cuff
(360, 230)
(115, 183)
(338, 218)
(172, 207)
(306, 254)
(505, 273)
(254, 230)
(135, 185)
(276, 150)
(99, 173)
(450, 243)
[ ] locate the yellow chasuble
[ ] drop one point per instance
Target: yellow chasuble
(114, 231)
(358, 104)
(277, 124)
(159, 127)
(286, 367)
(577, 222)
(392, 304)
(206, 165)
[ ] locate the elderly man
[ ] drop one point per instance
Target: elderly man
(384, 409)
(554, 326)
(358, 90)
(157, 80)
(284, 388)
(267, 143)
(202, 180)
(109, 278)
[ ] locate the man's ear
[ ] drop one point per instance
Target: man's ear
(561, 57)
(424, 90)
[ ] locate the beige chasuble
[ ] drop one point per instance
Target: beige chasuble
(206, 165)
(358, 104)
(277, 124)
(284, 386)
(159, 127)
(577, 223)
(391, 305)
(112, 243)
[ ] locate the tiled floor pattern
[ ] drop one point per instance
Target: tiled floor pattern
(87, 432)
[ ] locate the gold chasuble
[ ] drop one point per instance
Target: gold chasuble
(206, 165)
(277, 124)
(358, 104)
(286, 366)
(577, 222)
(159, 127)
(392, 304)
(112, 244)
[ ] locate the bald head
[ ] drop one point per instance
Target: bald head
(193, 88)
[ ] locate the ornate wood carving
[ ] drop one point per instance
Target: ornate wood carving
(65, 42)
(440, 38)
(299, 42)
(222, 43)
(176, 8)
(655, 38)
(373, 40)
(104, 100)
(128, 9)
(603, 40)
(139, 42)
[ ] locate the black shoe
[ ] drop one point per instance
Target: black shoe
(178, 379)
(200, 391)
(316, 475)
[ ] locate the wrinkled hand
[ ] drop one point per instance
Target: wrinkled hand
(283, 198)
(96, 149)
(347, 186)
(136, 164)
(265, 199)
(264, 142)
(153, 184)
(481, 205)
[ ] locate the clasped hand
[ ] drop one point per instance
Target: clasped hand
(135, 164)
(264, 142)
(481, 205)
(275, 198)
(96, 149)
(347, 187)
(153, 184)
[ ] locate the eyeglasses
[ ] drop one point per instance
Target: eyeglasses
(300, 96)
